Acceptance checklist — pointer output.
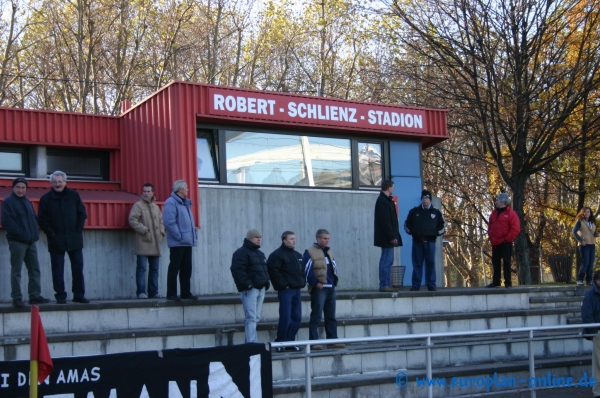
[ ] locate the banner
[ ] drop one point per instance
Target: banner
(231, 371)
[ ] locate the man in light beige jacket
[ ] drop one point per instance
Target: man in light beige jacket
(146, 219)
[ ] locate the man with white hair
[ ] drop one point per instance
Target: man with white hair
(61, 216)
(503, 228)
(181, 237)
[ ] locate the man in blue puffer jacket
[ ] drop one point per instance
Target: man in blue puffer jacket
(251, 277)
(181, 237)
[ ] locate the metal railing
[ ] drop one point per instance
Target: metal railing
(429, 346)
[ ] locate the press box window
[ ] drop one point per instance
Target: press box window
(278, 159)
(78, 164)
(13, 161)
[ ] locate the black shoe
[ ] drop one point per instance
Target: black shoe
(174, 298)
(508, 286)
(81, 300)
(18, 303)
(38, 300)
(280, 349)
(491, 285)
(61, 301)
(292, 348)
(431, 288)
(414, 289)
(190, 297)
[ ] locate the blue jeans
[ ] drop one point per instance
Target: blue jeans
(22, 252)
(588, 254)
(423, 252)
(57, 261)
(290, 314)
(140, 275)
(385, 266)
(252, 301)
(322, 300)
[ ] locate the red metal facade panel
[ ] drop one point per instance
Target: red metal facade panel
(159, 144)
(25, 126)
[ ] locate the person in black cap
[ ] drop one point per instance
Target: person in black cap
(425, 223)
(20, 222)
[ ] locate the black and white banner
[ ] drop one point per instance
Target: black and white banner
(242, 371)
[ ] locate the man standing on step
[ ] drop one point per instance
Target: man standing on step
(62, 216)
(286, 270)
(146, 220)
(181, 238)
(20, 222)
(590, 313)
(251, 276)
(503, 228)
(425, 223)
(387, 234)
(322, 278)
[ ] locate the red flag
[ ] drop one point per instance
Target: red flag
(39, 346)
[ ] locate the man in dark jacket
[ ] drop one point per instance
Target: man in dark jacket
(425, 223)
(251, 276)
(287, 275)
(387, 234)
(61, 217)
(20, 222)
(590, 313)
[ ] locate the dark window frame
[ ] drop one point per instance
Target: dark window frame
(103, 156)
(24, 172)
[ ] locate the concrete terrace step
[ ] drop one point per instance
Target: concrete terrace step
(383, 383)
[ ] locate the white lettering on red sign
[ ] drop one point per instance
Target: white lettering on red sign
(327, 112)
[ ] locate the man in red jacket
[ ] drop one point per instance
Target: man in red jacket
(503, 228)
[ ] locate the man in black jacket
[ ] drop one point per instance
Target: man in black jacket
(20, 222)
(61, 217)
(590, 313)
(251, 276)
(387, 234)
(425, 223)
(287, 275)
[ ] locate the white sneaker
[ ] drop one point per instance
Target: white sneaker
(142, 296)
(579, 283)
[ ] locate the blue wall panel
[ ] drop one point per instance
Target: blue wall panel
(405, 158)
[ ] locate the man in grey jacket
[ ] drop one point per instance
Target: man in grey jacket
(20, 222)
(181, 237)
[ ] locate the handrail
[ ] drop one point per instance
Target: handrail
(428, 337)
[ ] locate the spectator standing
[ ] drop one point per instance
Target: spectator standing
(585, 233)
(503, 228)
(251, 277)
(62, 216)
(181, 237)
(20, 222)
(286, 271)
(146, 220)
(322, 278)
(387, 234)
(425, 223)
(590, 313)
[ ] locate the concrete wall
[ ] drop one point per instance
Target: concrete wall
(226, 214)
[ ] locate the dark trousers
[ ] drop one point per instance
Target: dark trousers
(322, 301)
(588, 255)
(57, 261)
(502, 252)
(423, 252)
(290, 314)
(180, 264)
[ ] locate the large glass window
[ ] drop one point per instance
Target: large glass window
(370, 168)
(277, 159)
